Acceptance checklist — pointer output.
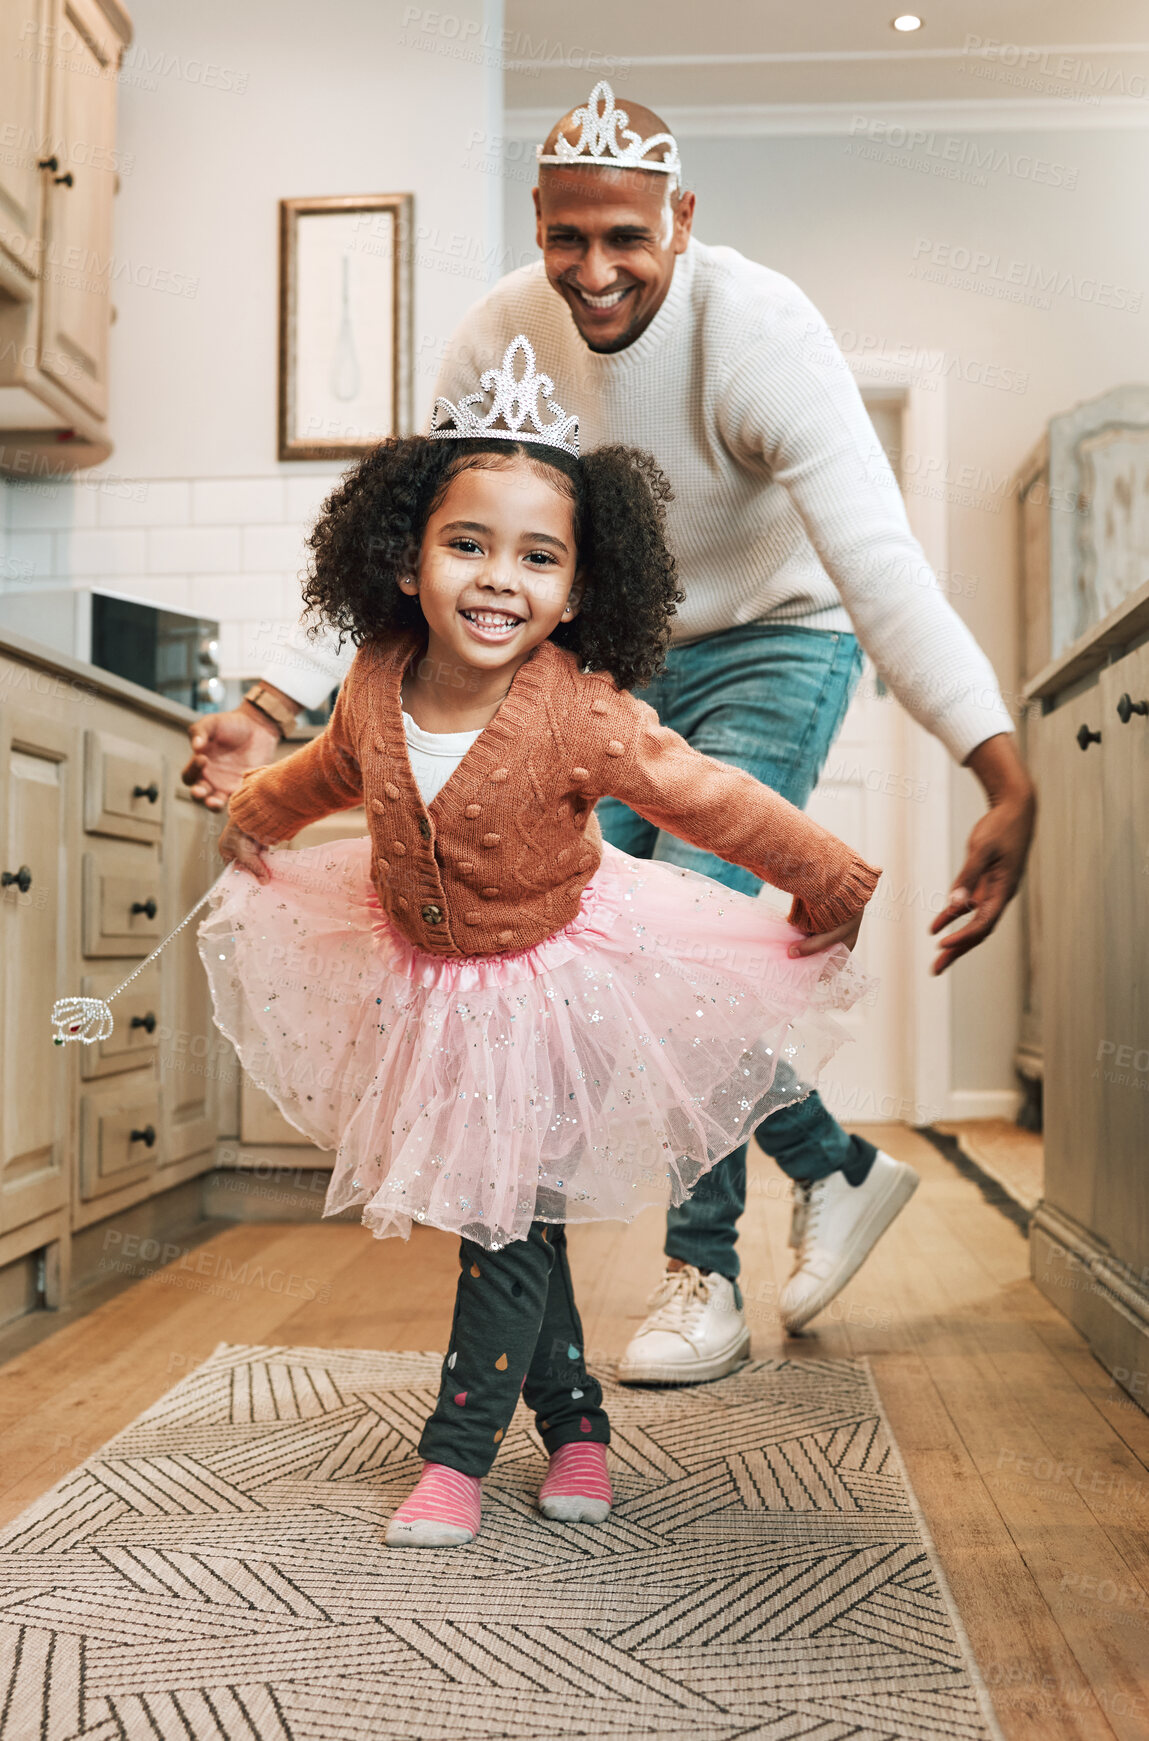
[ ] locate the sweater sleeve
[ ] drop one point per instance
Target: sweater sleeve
(275, 802)
(792, 406)
(730, 813)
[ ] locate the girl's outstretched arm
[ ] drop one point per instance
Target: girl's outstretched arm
(728, 812)
(275, 802)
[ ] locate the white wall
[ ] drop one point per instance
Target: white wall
(224, 110)
(849, 220)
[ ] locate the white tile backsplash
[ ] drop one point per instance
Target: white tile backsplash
(145, 502)
(266, 547)
(228, 548)
(238, 501)
(107, 554)
(193, 549)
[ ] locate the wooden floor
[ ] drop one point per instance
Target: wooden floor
(1029, 1463)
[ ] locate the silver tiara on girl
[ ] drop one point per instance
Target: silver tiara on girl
(514, 410)
(599, 145)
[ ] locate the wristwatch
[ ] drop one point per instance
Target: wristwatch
(281, 713)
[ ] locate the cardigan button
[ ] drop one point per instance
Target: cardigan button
(491, 839)
(433, 914)
(389, 787)
(473, 810)
(424, 828)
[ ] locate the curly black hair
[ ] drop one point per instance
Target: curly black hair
(371, 528)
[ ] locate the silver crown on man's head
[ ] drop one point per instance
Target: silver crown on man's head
(514, 410)
(599, 145)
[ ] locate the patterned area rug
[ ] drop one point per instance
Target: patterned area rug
(217, 1571)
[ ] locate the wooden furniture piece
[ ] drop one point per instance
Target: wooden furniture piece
(101, 853)
(1083, 498)
(1089, 748)
(58, 178)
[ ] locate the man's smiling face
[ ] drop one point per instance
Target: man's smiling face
(609, 239)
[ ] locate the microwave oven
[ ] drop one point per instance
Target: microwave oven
(170, 652)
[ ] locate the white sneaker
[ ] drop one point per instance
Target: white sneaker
(835, 1226)
(695, 1332)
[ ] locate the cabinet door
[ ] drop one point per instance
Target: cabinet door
(24, 52)
(1122, 1049)
(1075, 927)
(194, 1058)
(78, 230)
(35, 1076)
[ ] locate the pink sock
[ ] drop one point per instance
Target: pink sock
(577, 1488)
(444, 1511)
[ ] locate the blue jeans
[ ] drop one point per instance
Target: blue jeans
(770, 700)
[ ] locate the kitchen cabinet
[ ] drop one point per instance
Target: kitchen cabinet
(58, 88)
(103, 853)
(1089, 1239)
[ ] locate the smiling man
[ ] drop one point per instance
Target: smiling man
(795, 555)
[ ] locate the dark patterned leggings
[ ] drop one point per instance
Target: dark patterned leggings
(516, 1327)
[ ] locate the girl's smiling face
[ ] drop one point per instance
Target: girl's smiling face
(497, 567)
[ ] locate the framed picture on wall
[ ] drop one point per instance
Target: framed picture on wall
(345, 362)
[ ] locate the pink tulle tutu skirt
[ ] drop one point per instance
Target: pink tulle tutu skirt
(601, 1071)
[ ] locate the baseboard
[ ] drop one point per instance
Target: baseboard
(1100, 1296)
(983, 1103)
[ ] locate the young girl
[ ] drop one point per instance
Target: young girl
(500, 1023)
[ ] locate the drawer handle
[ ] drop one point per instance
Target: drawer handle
(1127, 707)
(148, 1022)
(151, 793)
(1085, 737)
(22, 878)
(48, 163)
(149, 906)
(64, 180)
(147, 1136)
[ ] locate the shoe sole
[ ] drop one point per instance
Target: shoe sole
(866, 1236)
(698, 1372)
(427, 1534)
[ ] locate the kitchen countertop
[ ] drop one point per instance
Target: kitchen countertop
(90, 678)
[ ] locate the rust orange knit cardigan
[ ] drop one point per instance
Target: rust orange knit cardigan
(499, 859)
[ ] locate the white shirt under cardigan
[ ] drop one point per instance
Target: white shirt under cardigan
(786, 509)
(434, 755)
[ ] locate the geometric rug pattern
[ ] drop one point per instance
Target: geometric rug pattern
(217, 1573)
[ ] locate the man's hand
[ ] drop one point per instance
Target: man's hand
(996, 852)
(224, 747)
(819, 941)
(236, 847)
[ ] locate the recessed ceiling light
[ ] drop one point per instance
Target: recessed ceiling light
(906, 21)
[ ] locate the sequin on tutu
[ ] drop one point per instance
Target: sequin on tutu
(603, 1071)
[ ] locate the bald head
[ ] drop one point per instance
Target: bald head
(640, 120)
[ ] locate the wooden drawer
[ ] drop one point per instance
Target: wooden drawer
(122, 895)
(123, 788)
(115, 1125)
(126, 1047)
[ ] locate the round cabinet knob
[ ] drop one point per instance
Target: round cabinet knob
(1127, 707)
(149, 907)
(151, 793)
(147, 1136)
(1085, 737)
(147, 1022)
(22, 879)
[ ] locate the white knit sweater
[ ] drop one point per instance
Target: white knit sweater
(786, 509)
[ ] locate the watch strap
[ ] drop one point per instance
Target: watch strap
(273, 707)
